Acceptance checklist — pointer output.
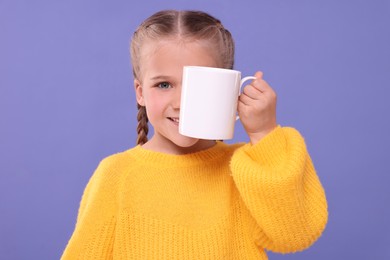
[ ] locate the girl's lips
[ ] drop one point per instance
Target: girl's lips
(174, 119)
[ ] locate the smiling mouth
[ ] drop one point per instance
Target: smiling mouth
(174, 119)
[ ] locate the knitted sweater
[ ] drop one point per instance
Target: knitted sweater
(226, 202)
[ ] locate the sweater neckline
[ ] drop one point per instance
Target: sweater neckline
(161, 159)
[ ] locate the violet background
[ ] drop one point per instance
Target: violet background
(67, 101)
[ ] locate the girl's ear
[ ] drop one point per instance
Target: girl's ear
(138, 92)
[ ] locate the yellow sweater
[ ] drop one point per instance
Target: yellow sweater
(227, 202)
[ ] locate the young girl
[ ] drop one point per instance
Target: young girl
(176, 197)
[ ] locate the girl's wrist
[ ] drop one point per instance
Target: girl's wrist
(256, 137)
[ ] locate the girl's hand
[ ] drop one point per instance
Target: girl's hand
(257, 108)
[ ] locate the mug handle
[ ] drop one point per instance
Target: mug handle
(241, 84)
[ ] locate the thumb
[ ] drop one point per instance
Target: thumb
(259, 74)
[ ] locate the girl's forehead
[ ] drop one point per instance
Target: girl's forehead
(170, 48)
(167, 57)
(151, 46)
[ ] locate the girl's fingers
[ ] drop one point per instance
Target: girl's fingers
(257, 91)
(253, 91)
(260, 84)
(259, 74)
(245, 99)
(250, 101)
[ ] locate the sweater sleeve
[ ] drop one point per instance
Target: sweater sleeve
(279, 186)
(93, 236)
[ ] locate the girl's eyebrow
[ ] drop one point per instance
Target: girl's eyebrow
(160, 77)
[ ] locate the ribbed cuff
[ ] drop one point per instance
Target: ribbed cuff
(270, 150)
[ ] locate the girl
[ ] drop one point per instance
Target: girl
(176, 197)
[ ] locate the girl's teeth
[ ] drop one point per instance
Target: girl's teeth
(174, 119)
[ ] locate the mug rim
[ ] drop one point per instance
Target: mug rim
(213, 68)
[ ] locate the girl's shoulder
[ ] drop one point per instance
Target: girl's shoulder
(119, 159)
(112, 168)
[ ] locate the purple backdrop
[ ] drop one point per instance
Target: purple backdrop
(66, 101)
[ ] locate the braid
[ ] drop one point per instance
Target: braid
(142, 127)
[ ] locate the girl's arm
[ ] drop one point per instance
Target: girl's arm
(278, 184)
(93, 236)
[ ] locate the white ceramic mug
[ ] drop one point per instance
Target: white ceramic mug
(208, 108)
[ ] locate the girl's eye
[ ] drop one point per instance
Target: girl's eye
(164, 85)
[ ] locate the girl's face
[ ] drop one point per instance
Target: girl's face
(159, 90)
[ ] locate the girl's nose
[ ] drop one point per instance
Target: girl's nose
(176, 98)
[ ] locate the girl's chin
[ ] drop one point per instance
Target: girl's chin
(177, 144)
(193, 144)
(186, 142)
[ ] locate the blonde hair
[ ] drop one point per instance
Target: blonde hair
(191, 25)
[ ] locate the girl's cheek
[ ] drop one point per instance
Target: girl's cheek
(157, 101)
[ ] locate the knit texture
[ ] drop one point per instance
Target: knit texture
(226, 202)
